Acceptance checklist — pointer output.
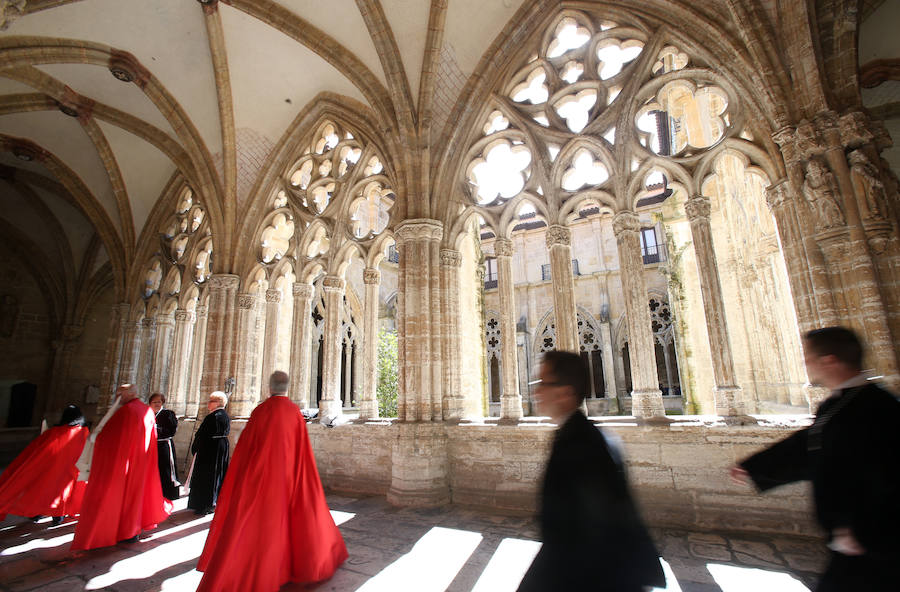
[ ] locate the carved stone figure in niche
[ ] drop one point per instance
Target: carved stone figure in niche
(821, 191)
(867, 184)
(9, 314)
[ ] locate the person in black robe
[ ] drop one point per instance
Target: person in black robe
(851, 453)
(212, 450)
(593, 535)
(166, 425)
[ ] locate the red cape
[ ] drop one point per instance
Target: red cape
(42, 479)
(123, 495)
(272, 524)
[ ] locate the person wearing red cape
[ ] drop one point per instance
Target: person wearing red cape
(123, 495)
(42, 480)
(272, 524)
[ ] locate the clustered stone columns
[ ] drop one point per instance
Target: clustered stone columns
(131, 353)
(246, 385)
(112, 362)
(419, 468)
(451, 261)
(559, 243)
(300, 344)
(270, 343)
(728, 396)
(148, 349)
(63, 348)
(646, 398)
(181, 361)
(510, 399)
(165, 327)
(192, 400)
(330, 404)
(368, 405)
(221, 317)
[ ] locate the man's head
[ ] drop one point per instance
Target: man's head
(564, 382)
(278, 383)
(832, 355)
(156, 402)
(216, 400)
(126, 392)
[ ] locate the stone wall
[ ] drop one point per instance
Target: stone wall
(679, 472)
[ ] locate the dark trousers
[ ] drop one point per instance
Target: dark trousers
(863, 573)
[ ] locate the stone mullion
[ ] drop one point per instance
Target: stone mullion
(162, 362)
(219, 333)
(510, 398)
(198, 347)
(402, 374)
(368, 405)
(728, 396)
(148, 348)
(435, 330)
(609, 371)
(300, 344)
(270, 344)
(452, 400)
(246, 385)
(131, 352)
(181, 361)
(559, 241)
(112, 362)
(646, 398)
(330, 405)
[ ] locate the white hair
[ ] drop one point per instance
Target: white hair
(222, 397)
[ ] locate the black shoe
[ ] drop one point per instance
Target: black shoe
(36, 518)
(57, 520)
(133, 539)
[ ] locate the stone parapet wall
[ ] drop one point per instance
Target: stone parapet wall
(679, 472)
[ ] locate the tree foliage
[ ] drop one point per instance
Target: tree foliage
(386, 392)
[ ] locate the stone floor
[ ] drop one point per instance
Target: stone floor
(394, 549)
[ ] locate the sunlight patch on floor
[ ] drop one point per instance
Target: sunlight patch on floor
(731, 578)
(169, 531)
(507, 565)
(430, 566)
(182, 582)
(671, 581)
(150, 562)
(39, 544)
(341, 517)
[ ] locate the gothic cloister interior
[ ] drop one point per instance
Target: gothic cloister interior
(198, 192)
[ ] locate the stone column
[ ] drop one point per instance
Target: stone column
(131, 353)
(63, 349)
(270, 344)
(162, 354)
(510, 398)
(559, 243)
(646, 398)
(368, 404)
(451, 261)
(182, 360)
(192, 399)
(300, 344)
(330, 404)
(217, 360)
(246, 385)
(727, 395)
(148, 349)
(606, 353)
(115, 353)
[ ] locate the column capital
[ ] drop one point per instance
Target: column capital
(626, 222)
(419, 229)
(72, 332)
(451, 258)
(301, 290)
(503, 247)
(183, 316)
(122, 309)
(697, 207)
(778, 194)
(202, 310)
(148, 322)
(246, 300)
(224, 281)
(855, 129)
(559, 235)
(371, 276)
(333, 283)
(165, 320)
(273, 295)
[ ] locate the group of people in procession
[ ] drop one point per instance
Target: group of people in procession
(121, 480)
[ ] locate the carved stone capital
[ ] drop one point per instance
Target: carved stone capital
(10, 10)
(224, 281)
(333, 282)
(183, 316)
(148, 322)
(626, 222)
(827, 122)
(697, 208)
(784, 136)
(855, 130)
(304, 291)
(808, 141)
(273, 295)
(246, 300)
(202, 310)
(72, 332)
(121, 310)
(419, 229)
(778, 194)
(503, 247)
(558, 235)
(451, 258)
(371, 276)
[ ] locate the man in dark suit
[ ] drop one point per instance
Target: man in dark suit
(593, 536)
(851, 453)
